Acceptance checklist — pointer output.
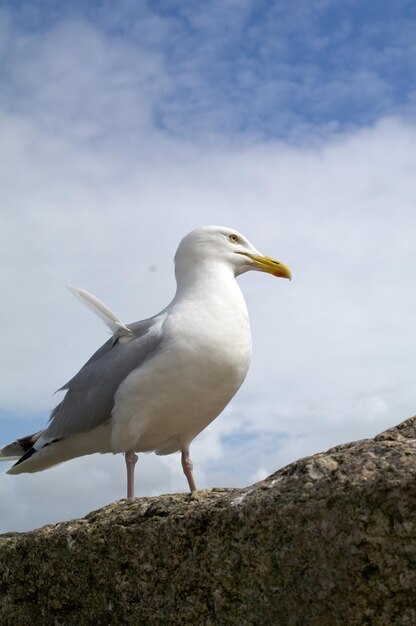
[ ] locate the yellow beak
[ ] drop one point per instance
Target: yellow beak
(269, 265)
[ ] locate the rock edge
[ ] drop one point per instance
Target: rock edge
(329, 539)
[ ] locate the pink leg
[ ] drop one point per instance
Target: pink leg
(187, 469)
(131, 460)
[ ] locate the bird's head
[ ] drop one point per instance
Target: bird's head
(218, 244)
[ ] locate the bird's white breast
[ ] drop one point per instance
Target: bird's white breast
(202, 361)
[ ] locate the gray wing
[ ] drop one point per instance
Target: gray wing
(89, 399)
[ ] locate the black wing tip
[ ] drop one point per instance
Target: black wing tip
(25, 457)
(31, 451)
(26, 443)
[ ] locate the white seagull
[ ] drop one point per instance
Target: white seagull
(157, 383)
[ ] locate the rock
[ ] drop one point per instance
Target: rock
(328, 540)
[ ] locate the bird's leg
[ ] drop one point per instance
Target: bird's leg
(131, 460)
(187, 469)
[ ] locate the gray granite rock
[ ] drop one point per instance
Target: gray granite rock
(328, 540)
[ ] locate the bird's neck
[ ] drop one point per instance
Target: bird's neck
(211, 281)
(212, 309)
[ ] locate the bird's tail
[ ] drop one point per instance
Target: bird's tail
(17, 448)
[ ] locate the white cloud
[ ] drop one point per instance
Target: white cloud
(86, 203)
(207, 71)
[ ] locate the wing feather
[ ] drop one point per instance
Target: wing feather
(102, 310)
(89, 399)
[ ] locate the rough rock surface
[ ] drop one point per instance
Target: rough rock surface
(328, 540)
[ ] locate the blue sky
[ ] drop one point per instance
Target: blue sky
(125, 125)
(235, 68)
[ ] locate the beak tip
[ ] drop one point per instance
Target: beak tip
(284, 274)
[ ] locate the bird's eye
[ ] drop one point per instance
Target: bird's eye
(233, 238)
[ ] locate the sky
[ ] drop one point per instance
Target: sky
(126, 125)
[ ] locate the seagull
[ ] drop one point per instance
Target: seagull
(157, 383)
